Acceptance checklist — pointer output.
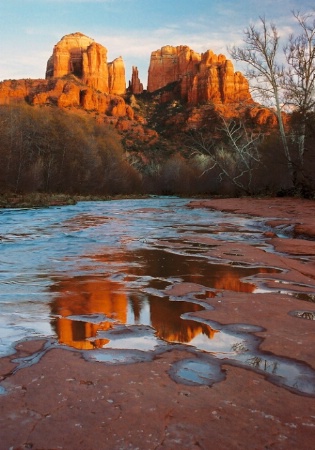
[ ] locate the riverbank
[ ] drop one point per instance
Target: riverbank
(35, 200)
(297, 213)
(43, 200)
(66, 402)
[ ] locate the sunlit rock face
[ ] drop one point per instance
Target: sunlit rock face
(67, 56)
(16, 91)
(95, 68)
(116, 76)
(170, 64)
(81, 56)
(202, 77)
(135, 85)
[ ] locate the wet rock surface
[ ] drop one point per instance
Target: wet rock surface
(66, 402)
(254, 388)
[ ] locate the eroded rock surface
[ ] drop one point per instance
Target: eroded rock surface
(64, 401)
(135, 85)
(81, 56)
(66, 92)
(202, 77)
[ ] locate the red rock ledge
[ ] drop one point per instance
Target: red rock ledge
(65, 402)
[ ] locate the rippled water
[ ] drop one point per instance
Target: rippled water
(95, 276)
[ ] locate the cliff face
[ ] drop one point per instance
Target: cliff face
(81, 56)
(78, 76)
(95, 69)
(202, 78)
(170, 64)
(116, 77)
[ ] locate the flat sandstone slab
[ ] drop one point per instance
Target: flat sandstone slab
(66, 402)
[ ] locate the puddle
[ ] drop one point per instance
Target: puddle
(241, 349)
(292, 375)
(140, 297)
(2, 390)
(140, 320)
(98, 279)
(197, 372)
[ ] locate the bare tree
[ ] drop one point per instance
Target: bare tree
(236, 154)
(292, 84)
(299, 81)
(261, 53)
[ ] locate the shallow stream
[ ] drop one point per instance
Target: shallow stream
(95, 277)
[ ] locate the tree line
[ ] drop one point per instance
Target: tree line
(52, 151)
(48, 150)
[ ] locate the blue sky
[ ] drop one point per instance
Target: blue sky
(129, 28)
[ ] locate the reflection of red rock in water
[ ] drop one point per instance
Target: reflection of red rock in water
(76, 334)
(232, 282)
(166, 319)
(84, 297)
(87, 296)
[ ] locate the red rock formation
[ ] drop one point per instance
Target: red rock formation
(170, 64)
(67, 56)
(81, 56)
(63, 93)
(78, 76)
(263, 116)
(202, 78)
(135, 85)
(116, 76)
(15, 91)
(95, 68)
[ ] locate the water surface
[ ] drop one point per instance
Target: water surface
(95, 276)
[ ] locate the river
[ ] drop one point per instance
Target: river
(96, 277)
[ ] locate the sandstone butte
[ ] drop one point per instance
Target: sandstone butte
(79, 76)
(81, 56)
(202, 77)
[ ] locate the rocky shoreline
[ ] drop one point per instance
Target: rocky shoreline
(279, 212)
(66, 402)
